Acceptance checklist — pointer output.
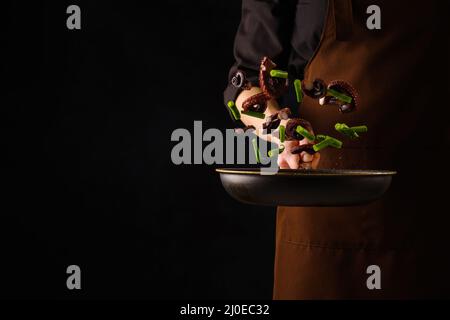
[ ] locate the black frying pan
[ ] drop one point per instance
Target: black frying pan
(306, 188)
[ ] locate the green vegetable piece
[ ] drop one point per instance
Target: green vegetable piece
(278, 74)
(360, 129)
(256, 149)
(346, 130)
(234, 110)
(327, 141)
(282, 133)
(305, 133)
(274, 152)
(335, 143)
(298, 90)
(322, 145)
(339, 96)
(254, 114)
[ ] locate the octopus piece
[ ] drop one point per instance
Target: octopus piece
(272, 122)
(316, 90)
(291, 126)
(272, 87)
(328, 100)
(255, 103)
(308, 148)
(346, 89)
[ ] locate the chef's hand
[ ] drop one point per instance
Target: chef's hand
(287, 160)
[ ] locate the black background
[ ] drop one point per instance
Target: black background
(87, 179)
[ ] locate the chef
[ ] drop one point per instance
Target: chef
(399, 67)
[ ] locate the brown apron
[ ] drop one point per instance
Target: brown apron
(401, 75)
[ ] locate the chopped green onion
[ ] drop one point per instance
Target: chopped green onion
(360, 129)
(327, 141)
(350, 132)
(256, 149)
(234, 110)
(254, 114)
(298, 90)
(321, 137)
(274, 152)
(339, 96)
(335, 143)
(321, 145)
(282, 133)
(278, 74)
(346, 130)
(305, 133)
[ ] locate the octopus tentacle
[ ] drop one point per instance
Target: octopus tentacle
(272, 88)
(256, 103)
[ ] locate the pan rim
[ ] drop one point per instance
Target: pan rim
(310, 173)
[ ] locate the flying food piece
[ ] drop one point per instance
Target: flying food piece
(308, 148)
(256, 149)
(335, 143)
(342, 95)
(278, 74)
(274, 152)
(272, 122)
(345, 130)
(291, 129)
(254, 114)
(298, 90)
(339, 96)
(360, 129)
(351, 132)
(255, 103)
(282, 133)
(234, 110)
(272, 87)
(322, 145)
(302, 131)
(328, 100)
(327, 141)
(316, 90)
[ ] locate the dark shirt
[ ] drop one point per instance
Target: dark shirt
(286, 31)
